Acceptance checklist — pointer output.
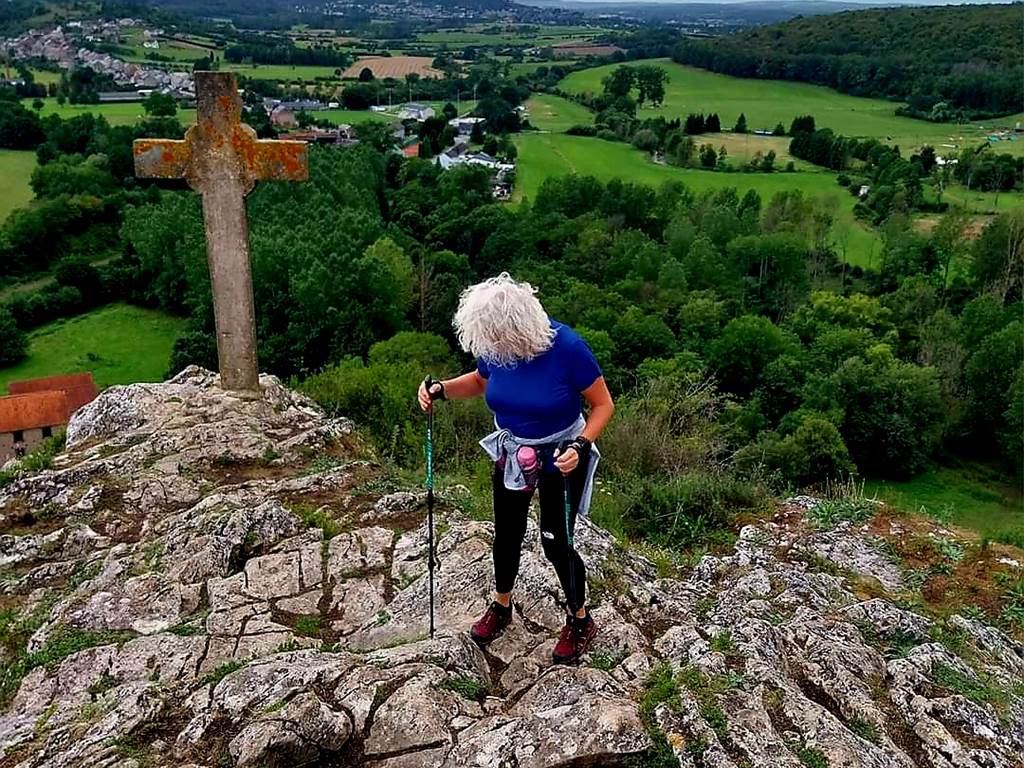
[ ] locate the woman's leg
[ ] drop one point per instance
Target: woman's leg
(510, 511)
(568, 564)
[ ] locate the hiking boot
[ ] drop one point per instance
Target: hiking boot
(492, 623)
(574, 640)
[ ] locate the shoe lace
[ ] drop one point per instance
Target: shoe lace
(568, 633)
(491, 617)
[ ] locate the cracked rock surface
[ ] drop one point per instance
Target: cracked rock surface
(208, 581)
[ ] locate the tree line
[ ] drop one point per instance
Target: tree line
(952, 63)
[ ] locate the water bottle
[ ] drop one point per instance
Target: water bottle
(529, 462)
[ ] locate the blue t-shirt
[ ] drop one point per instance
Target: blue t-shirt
(541, 396)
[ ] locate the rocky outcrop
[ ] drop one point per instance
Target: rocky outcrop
(206, 581)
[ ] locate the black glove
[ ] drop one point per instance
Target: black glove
(430, 384)
(582, 447)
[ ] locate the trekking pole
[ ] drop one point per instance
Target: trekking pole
(429, 383)
(566, 493)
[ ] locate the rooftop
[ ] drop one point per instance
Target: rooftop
(79, 389)
(33, 411)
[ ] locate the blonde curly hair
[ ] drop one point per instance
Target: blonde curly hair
(502, 322)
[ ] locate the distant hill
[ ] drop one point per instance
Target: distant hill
(966, 59)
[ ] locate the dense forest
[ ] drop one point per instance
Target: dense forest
(947, 63)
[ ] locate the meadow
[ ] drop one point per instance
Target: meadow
(547, 154)
(767, 102)
(506, 35)
(352, 116)
(115, 114)
(553, 113)
(16, 168)
(974, 496)
(119, 343)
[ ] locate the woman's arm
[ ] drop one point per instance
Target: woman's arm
(601, 409)
(464, 387)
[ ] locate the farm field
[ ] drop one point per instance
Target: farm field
(15, 170)
(119, 343)
(285, 72)
(393, 66)
(542, 155)
(526, 67)
(767, 102)
(116, 114)
(493, 35)
(172, 49)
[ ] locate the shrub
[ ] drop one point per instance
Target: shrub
(688, 511)
(582, 130)
(13, 341)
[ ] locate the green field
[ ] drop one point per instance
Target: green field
(352, 116)
(15, 170)
(45, 76)
(983, 202)
(172, 49)
(556, 115)
(767, 102)
(553, 113)
(526, 67)
(544, 154)
(974, 496)
(511, 36)
(288, 72)
(119, 343)
(116, 114)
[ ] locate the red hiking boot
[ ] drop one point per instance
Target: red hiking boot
(574, 640)
(492, 623)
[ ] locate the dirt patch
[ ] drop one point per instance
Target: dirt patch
(394, 66)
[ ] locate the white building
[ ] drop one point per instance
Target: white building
(465, 125)
(416, 111)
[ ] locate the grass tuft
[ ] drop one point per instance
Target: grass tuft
(466, 686)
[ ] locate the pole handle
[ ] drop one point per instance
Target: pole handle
(429, 383)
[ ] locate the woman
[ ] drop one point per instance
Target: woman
(532, 371)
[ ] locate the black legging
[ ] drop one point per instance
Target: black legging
(510, 510)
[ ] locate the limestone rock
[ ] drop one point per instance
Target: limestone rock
(204, 580)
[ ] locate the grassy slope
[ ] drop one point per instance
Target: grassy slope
(973, 496)
(542, 155)
(553, 113)
(15, 170)
(767, 102)
(119, 343)
(116, 114)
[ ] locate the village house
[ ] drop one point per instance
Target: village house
(283, 118)
(465, 125)
(416, 111)
(37, 408)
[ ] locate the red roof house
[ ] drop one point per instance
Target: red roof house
(78, 387)
(37, 407)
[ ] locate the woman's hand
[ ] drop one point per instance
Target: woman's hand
(567, 460)
(425, 400)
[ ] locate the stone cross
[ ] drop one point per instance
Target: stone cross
(222, 159)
